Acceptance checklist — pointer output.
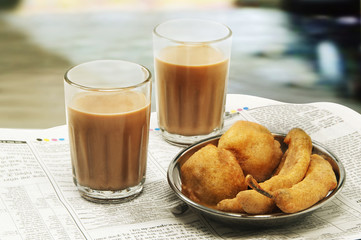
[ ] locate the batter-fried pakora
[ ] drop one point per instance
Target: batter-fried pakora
(210, 175)
(293, 171)
(254, 147)
(319, 180)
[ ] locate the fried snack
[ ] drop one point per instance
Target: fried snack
(210, 175)
(319, 180)
(282, 162)
(254, 147)
(293, 170)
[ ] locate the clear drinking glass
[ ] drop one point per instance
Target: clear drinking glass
(108, 114)
(191, 59)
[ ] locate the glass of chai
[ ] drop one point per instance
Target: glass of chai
(108, 114)
(191, 59)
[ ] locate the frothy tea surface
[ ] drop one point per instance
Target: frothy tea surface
(109, 103)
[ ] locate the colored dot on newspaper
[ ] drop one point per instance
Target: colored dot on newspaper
(61, 139)
(46, 140)
(39, 139)
(156, 129)
(239, 109)
(54, 139)
(233, 111)
(245, 108)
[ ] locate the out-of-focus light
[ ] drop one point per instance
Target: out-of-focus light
(329, 61)
(348, 20)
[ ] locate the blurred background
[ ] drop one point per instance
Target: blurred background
(295, 51)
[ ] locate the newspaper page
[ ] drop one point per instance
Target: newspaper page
(38, 199)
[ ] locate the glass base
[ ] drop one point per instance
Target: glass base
(103, 196)
(184, 141)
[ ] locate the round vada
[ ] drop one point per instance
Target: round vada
(254, 147)
(211, 175)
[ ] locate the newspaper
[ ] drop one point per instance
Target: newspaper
(38, 199)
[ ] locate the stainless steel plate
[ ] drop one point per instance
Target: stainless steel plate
(243, 219)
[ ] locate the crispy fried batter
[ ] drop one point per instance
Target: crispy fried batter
(319, 180)
(254, 148)
(282, 162)
(293, 170)
(210, 175)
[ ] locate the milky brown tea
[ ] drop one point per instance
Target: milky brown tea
(109, 139)
(191, 87)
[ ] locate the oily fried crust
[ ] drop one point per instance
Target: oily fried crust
(296, 162)
(210, 175)
(319, 180)
(293, 170)
(254, 147)
(282, 162)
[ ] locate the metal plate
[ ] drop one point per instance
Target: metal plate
(244, 219)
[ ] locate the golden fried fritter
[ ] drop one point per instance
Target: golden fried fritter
(210, 175)
(254, 148)
(319, 180)
(293, 171)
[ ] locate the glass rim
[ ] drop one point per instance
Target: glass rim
(228, 35)
(147, 77)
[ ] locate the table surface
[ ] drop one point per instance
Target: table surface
(271, 57)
